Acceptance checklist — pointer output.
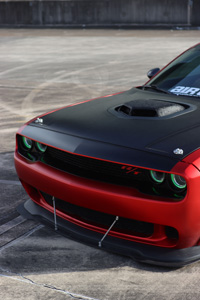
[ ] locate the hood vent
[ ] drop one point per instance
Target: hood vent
(150, 108)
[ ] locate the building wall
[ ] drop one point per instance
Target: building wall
(98, 12)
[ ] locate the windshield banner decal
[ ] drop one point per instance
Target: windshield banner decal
(185, 90)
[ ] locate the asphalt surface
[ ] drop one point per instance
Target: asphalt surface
(44, 69)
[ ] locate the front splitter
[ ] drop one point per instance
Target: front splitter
(139, 252)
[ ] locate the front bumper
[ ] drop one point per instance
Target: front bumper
(139, 252)
(156, 248)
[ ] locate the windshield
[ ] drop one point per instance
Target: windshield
(182, 76)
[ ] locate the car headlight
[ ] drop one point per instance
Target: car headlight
(178, 181)
(157, 177)
(41, 147)
(27, 143)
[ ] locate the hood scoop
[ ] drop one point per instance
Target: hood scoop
(150, 108)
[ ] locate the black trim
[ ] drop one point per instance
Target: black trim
(139, 252)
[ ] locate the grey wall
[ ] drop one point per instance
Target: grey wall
(98, 12)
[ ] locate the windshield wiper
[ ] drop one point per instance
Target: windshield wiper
(155, 88)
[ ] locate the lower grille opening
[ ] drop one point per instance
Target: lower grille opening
(102, 220)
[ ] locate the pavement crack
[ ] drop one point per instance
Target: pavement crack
(27, 280)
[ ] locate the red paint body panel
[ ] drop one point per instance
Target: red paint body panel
(193, 158)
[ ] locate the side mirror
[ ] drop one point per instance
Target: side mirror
(152, 72)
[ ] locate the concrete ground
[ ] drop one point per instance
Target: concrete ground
(39, 71)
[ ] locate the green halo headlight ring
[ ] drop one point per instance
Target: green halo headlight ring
(178, 181)
(27, 143)
(157, 177)
(41, 147)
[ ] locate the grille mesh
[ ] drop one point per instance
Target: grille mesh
(94, 168)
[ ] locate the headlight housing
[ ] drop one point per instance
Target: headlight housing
(165, 181)
(178, 181)
(27, 143)
(41, 147)
(158, 177)
(30, 149)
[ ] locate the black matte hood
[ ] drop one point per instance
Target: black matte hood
(103, 121)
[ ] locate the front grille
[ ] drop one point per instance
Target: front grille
(93, 168)
(103, 171)
(103, 220)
